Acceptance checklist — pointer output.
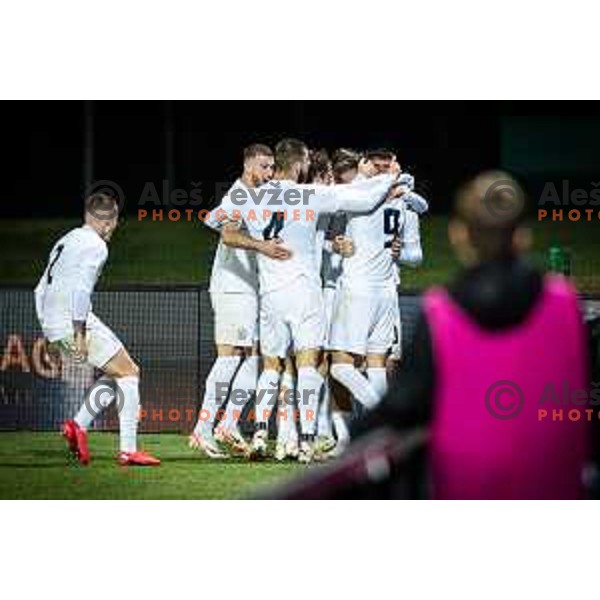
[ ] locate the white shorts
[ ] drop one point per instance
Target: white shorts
(236, 318)
(102, 343)
(292, 319)
(364, 321)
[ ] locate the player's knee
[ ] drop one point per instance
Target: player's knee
(323, 368)
(131, 369)
(272, 363)
(308, 358)
(135, 369)
(338, 358)
(225, 350)
(377, 361)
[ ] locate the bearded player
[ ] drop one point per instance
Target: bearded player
(234, 298)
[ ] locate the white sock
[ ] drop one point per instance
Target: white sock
(128, 415)
(358, 385)
(215, 392)
(246, 381)
(267, 391)
(98, 397)
(324, 420)
(378, 379)
(309, 390)
(286, 426)
(342, 433)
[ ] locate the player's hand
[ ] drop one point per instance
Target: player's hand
(396, 248)
(394, 168)
(408, 180)
(275, 249)
(343, 245)
(231, 225)
(81, 350)
(51, 353)
(396, 191)
(366, 168)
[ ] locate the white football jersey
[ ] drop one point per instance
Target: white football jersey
(234, 270)
(371, 265)
(410, 236)
(298, 228)
(63, 293)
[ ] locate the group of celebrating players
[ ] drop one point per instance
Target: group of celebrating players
(305, 303)
(316, 293)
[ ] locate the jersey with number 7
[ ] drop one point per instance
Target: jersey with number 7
(63, 293)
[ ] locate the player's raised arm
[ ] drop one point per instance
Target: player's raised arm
(359, 196)
(363, 196)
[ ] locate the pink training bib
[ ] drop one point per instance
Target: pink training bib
(489, 439)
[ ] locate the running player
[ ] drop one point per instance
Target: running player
(64, 310)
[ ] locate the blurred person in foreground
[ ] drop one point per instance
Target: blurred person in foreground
(491, 353)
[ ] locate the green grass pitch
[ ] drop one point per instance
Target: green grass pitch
(38, 466)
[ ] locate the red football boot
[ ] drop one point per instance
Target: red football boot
(137, 458)
(77, 440)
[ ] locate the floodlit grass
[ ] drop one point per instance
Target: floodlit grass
(37, 466)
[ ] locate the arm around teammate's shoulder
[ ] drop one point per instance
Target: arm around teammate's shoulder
(233, 236)
(358, 196)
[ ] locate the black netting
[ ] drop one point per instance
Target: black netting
(168, 331)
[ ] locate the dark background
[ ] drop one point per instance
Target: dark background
(135, 142)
